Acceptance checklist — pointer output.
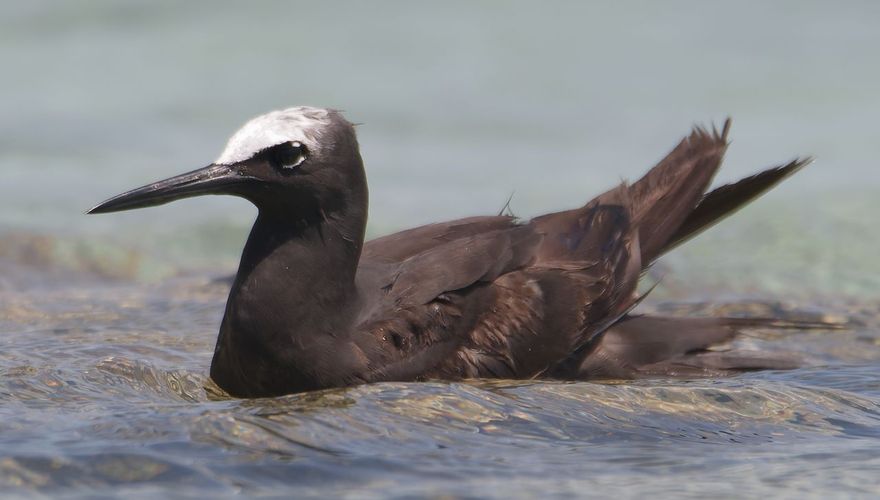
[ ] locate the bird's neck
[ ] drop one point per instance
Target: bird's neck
(308, 257)
(292, 302)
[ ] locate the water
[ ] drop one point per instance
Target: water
(107, 323)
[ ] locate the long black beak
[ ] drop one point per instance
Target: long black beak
(213, 179)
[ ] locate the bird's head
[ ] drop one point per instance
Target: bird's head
(300, 161)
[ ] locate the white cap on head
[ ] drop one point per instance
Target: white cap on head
(301, 124)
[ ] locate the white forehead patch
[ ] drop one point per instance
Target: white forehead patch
(292, 124)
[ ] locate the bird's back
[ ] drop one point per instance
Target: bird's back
(494, 297)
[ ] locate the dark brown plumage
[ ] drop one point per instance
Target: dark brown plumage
(312, 306)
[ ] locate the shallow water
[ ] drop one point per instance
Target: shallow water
(104, 389)
(107, 324)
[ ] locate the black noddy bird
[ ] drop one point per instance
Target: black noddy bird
(313, 306)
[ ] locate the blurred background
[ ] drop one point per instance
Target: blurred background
(461, 104)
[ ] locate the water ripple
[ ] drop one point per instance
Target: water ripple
(108, 389)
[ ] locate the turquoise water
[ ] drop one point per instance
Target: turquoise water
(108, 323)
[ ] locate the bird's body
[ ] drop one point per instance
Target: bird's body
(313, 306)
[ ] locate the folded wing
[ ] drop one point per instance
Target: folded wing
(493, 297)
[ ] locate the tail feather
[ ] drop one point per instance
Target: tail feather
(663, 199)
(669, 204)
(726, 200)
(721, 363)
(639, 346)
(666, 207)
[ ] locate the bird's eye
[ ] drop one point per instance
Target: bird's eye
(288, 155)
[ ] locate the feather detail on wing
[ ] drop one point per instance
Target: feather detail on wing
(493, 297)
